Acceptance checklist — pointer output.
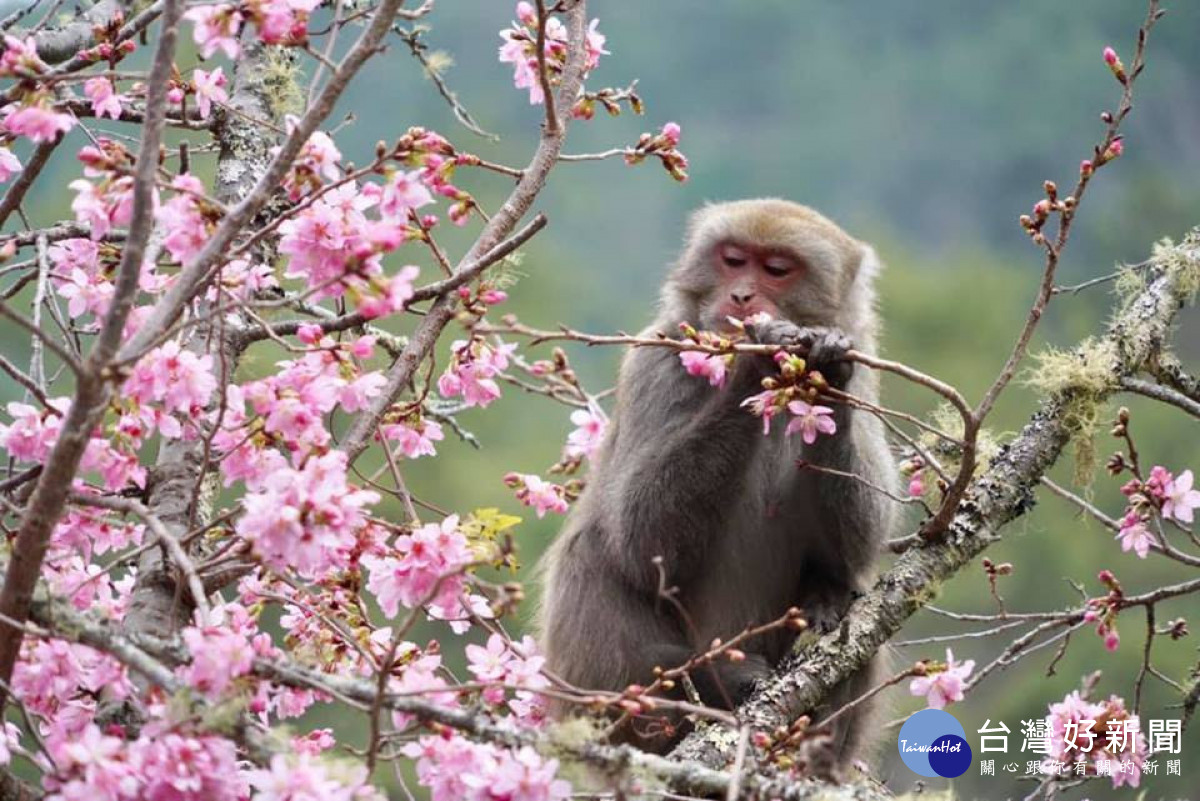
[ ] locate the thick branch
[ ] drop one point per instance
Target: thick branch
(93, 382)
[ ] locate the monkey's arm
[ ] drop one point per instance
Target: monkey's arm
(679, 455)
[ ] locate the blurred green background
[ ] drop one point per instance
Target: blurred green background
(924, 127)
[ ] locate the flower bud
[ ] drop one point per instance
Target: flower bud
(1114, 64)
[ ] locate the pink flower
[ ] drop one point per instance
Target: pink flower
(434, 552)
(105, 100)
(216, 28)
(946, 686)
(766, 405)
(32, 432)
(1134, 535)
(472, 371)
(1180, 499)
(391, 297)
(219, 656)
(456, 769)
(177, 767)
(303, 778)
(101, 208)
(534, 491)
(210, 88)
(520, 50)
(308, 519)
(590, 425)
(180, 379)
(10, 165)
(810, 421)
(20, 57)
(711, 366)
(404, 192)
(181, 218)
(39, 123)
(415, 437)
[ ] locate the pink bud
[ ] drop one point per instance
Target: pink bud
(175, 95)
(671, 132)
(1112, 641)
(1090, 616)
(1106, 576)
(916, 488)
(1110, 56)
(493, 297)
(526, 14)
(1115, 149)
(1086, 167)
(309, 333)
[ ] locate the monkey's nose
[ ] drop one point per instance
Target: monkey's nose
(742, 298)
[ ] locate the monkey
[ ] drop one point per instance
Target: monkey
(686, 492)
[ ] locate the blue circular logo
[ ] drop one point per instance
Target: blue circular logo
(933, 743)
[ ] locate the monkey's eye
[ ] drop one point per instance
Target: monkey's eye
(777, 268)
(732, 257)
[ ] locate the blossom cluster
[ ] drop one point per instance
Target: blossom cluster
(520, 50)
(1071, 723)
(1171, 496)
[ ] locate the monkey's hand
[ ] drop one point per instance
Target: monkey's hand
(826, 347)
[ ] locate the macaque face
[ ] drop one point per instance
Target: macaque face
(750, 280)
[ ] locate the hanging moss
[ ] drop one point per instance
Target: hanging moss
(1083, 376)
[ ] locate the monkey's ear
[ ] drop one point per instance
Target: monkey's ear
(866, 269)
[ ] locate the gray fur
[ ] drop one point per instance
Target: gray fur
(686, 474)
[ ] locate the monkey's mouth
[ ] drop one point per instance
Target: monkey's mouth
(728, 318)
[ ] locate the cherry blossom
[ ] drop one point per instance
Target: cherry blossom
(455, 769)
(303, 778)
(218, 657)
(32, 432)
(179, 379)
(1135, 535)
(414, 435)
(810, 421)
(210, 88)
(1079, 732)
(20, 57)
(471, 374)
(590, 425)
(425, 566)
(1179, 499)
(38, 122)
(520, 50)
(535, 491)
(714, 367)
(105, 100)
(403, 192)
(10, 165)
(306, 519)
(216, 28)
(943, 686)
